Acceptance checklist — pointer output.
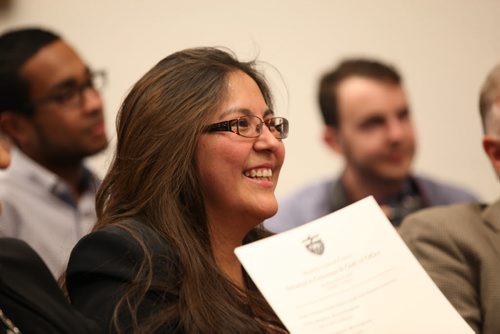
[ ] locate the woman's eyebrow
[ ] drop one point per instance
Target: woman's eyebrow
(232, 111)
(268, 112)
(246, 112)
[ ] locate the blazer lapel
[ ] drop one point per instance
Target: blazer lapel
(491, 217)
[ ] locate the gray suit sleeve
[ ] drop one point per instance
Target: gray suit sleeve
(433, 240)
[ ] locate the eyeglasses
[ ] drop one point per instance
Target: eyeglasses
(71, 95)
(251, 126)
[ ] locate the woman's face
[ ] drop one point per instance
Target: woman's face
(226, 161)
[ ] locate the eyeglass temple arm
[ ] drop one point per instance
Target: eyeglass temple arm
(222, 126)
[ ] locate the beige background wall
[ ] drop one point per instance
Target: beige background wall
(444, 48)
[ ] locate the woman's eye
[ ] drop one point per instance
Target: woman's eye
(243, 123)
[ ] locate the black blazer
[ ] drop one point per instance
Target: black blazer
(31, 298)
(104, 264)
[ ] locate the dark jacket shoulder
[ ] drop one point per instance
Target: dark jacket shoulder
(105, 264)
(30, 296)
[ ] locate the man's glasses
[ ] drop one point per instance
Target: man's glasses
(251, 126)
(72, 94)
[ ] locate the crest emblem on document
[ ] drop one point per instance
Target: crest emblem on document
(314, 244)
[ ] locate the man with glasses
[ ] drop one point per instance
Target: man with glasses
(52, 112)
(459, 245)
(368, 122)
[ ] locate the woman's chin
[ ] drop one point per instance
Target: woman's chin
(269, 211)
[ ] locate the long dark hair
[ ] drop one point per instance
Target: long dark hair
(153, 179)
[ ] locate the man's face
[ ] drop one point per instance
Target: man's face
(491, 138)
(375, 132)
(61, 131)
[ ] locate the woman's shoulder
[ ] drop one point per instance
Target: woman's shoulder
(113, 260)
(132, 233)
(127, 230)
(118, 245)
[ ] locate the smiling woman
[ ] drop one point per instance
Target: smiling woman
(198, 156)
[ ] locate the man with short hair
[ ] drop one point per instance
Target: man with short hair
(52, 112)
(459, 245)
(367, 121)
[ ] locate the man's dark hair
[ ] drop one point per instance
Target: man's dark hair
(366, 68)
(16, 48)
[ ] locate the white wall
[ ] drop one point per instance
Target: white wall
(443, 48)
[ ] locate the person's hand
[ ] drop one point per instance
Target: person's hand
(4, 151)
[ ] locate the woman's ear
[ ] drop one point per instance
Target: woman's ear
(332, 139)
(491, 145)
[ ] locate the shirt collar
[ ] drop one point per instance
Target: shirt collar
(26, 168)
(407, 200)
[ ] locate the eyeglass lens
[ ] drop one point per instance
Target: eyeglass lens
(73, 95)
(251, 126)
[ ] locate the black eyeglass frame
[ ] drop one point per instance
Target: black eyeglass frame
(227, 126)
(78, 90)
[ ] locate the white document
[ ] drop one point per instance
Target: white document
(348, 272)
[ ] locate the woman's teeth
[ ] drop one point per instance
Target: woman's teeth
(262, 172)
